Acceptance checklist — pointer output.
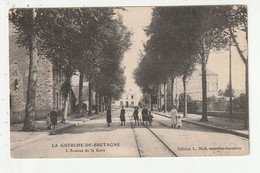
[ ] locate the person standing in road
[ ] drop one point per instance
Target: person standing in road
(150, 118)
(109, 117)
(122, 116)
(135, 114)
(174, 116)
(144, 115)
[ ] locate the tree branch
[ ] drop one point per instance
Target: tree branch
(237, 46)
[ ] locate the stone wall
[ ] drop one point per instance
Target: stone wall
(17, 102)
(58, 99)
(48, 93)
(44, 89)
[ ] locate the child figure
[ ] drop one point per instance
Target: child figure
(179, 123)
(48, 121)
(150, 118)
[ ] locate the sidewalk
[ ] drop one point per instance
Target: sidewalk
(19, 137)
(222, 124)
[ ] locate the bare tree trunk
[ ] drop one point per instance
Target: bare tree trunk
(80, 93)
(151, 102)
(99, 102)
(230, 80)
(66, 88)
(96, 99)
(184, 78)
(32, 84)
(172, 89)
(247, 99)
(65, 111)
(89, 98)
(103, 104)
(160, 99)
(204, 91)
(245, 60)
(165, 97)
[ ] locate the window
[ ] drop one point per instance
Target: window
(126, 96)
(132, 97)
(121, 103)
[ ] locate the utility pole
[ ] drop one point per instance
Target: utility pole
(230, 79)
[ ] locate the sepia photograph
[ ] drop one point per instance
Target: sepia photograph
(129, 82)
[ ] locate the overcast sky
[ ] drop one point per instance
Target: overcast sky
(137, 18)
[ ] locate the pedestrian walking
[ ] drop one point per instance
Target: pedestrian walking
(150, 118)
(109, 117)
(174, 116)
(122, 116)
(144, 115)
(135, 114)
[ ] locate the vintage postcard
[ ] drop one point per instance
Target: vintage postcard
(117, 82)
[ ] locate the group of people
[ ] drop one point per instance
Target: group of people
(146, 116)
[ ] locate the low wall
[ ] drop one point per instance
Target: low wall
(236, 115)
(18, 117)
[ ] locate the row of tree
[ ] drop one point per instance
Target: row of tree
(91, 41)
(182, 37)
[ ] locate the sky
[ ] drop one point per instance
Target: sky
(137, 18)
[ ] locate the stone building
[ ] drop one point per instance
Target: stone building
(49, 81)
(128, 99)
(194, 87)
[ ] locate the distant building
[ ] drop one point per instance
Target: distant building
(128, 99)
(194, 88)
(194, 85)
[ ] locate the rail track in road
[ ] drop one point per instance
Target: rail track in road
(157, 138)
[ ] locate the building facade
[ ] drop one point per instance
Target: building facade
(194, 88)
(128, 99)
(48, 88)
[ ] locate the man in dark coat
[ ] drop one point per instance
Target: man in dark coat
(135, 114)
(144, 115)
(52, 119)
(122, 116)
(109, 117)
